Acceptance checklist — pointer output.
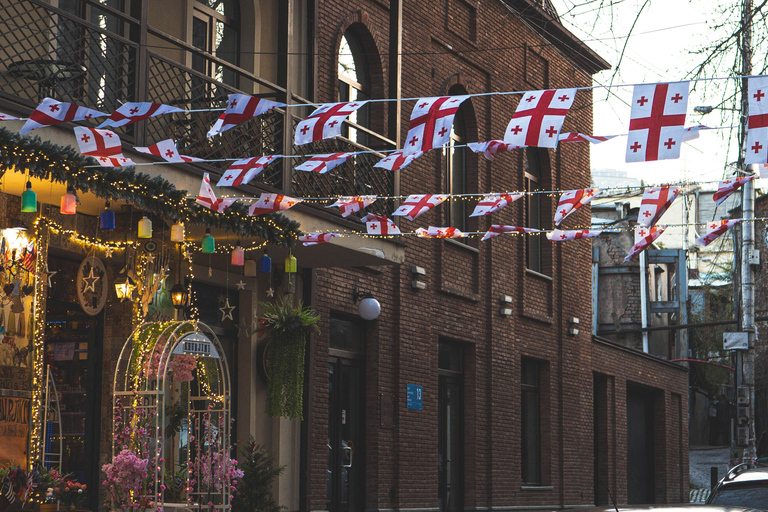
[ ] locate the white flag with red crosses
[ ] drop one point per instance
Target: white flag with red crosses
(655, 202)
(692, 132)
(494, 202)
(715, 230)
(727, 187)
(557, 235)
(380, 225)
(129, 113)
(431, 123)
(8, 117)
(644, 237)
(572, 200)
(539, 118)
(757, 128)
(657, 120)
(167, 150)
(244, 170)
(498, 229)
(207, 198)
(417, 204)
(268, 203)
(325, 122)
(351, 204)
(317, 238)
(323, 163)
(241, 108)
(103, 145)
(51, 112)
(435, 232)
(397, 160)
(583, 137)
(490, 148)
(216, 128)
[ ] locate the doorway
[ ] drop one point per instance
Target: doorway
(640, 445)
(451, 428)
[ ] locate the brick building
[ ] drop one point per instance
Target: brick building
(441, 403)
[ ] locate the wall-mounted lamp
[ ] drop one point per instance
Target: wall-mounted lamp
(506, 305)
(179, 296)
(573, 323)
(369, 307)
(418, 274)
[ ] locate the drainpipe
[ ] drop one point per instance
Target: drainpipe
(644, 298)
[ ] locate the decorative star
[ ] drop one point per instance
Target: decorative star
(90, 282)
(210, 272)
(270, 292)
(222, 298)
(241, 285)
(110, 250)
(49, 274)
(150, 258)
(226, 310)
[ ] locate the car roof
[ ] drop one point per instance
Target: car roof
(678, 507)
(739, 474)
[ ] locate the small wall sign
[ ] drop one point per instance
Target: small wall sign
(414, 396)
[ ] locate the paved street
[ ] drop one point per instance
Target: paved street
(701, 459)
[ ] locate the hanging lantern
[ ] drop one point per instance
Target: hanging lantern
(107, 218)
(249, 270)
(290, 264)
(29, 199)
(208, 243)
(179, 295)
(124, 288)
(238, 255)
(145, 228)
(69, 202)
(177, 233)
(265, 264)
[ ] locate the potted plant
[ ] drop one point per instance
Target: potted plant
(254, 490)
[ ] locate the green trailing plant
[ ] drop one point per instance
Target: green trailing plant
(254, 489)
(287, 327)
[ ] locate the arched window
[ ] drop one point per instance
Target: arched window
(455, 166)
(215, 30)
(354, 84)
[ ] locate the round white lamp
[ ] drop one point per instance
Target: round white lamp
(369, 307)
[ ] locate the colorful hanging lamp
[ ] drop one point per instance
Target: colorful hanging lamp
(177, 233)
(107, 218)
(290, 264)
(124, 287)
(69, 202)
(29, 199)
(249, 269)
(145, 228)
(208, 243)
(265, 263)
(179, 295)
(238, 255)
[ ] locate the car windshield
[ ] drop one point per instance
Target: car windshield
(754, 495)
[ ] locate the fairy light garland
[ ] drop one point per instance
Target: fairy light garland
(38, 358)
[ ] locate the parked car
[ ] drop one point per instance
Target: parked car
(672, 507)
(742, 487)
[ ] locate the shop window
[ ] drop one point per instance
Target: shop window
(354, 84)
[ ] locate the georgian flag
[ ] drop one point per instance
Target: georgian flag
(51, 112)
(325, 122)
(8, 117)
(539, 118)
(380, 225)
(557, 235)
(692, 132)
(397, 160)
(727, 187)
(216, 128)
(129, 113)
(351, 204)
(657, 120)
(269, 203)
(498, 229)
(431, 123)
(583, 137)
(244, 170)
(715, 229)
(207, 198)
(324, 163)
(418, 204)
(241, 108)
(317, 238)
(655, 202)
(644, 237)
(757, 128)
(167, 150)
(103, 145)
(494, 202)
(572, 200)
(434, 232)
(490, 148)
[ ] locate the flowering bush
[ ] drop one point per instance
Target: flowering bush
(126, 481)
(181, 365)
(70, 493)
(213, 468)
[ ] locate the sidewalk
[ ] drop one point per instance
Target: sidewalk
(700, 460)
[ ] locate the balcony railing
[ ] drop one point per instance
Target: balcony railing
(94, 58)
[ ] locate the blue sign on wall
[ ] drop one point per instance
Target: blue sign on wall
(414, 394)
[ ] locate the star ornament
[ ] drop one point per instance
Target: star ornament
(90, 282)
(270, 292)
(241, 285)
(226, 310)
(49, 274)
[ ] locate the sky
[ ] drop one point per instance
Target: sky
(660, 49)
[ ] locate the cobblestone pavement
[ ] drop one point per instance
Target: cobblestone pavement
(700, 460)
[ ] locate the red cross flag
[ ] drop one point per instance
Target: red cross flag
(8, 117)
(490, 148)
(103, 145)
(498, 229)
(431, 123)
(268, 203)
(583, 137)
(416, 204)
(134, 112)
(657, 121)
(433, 232)
(317, 238)
(351, 204)
(244, 170)
(727, 187)
(494, 202)
(325, 122)
(539, 118)
(207, 198)
(241, 108)
(51, 112)
(692, 132)
(655, 202)
(644, 237)
(572, 200)
(397, 160)
(324, 163)
(715, 229)
(557, 235)
(380, 225)
(757, 128)
(166, 149)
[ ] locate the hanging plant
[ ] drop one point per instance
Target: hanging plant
(288, 327)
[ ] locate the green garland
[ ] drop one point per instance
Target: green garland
(47, 161)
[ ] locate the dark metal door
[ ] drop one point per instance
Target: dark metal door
(640, 447)
(450, 453)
